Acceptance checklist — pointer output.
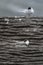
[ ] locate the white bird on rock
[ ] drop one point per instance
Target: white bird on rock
(29, 11)
(23, 42)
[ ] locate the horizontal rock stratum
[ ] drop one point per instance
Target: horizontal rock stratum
(19, 29)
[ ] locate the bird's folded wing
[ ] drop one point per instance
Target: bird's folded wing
(24, 11)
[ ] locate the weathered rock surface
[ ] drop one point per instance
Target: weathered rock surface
(21, 28)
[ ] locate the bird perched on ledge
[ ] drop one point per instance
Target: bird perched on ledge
(29, 11)
(25, 42)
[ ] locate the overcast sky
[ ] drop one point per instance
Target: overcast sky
(11, 7)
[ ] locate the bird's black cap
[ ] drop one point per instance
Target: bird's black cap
(29, 7)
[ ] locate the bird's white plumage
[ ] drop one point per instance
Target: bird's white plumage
(27, 42)
(28, 11)
(23, 42)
